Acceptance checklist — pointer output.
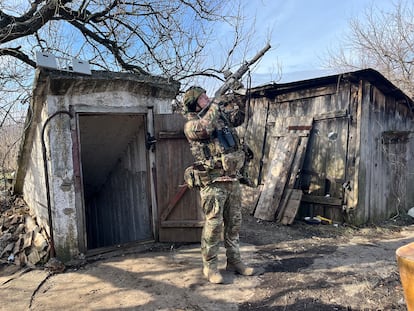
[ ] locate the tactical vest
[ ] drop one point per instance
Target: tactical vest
(219, 155)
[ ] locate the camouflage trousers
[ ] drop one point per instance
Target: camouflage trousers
(221, 205)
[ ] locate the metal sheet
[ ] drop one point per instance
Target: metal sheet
(115, 178)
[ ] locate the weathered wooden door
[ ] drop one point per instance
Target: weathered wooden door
(179, 214)
(324, 169)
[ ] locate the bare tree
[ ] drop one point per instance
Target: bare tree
(383, 40)
(14, 97)
(165, 37)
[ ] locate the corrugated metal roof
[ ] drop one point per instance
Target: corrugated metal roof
(371, 75)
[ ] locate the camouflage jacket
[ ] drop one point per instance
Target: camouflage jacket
(214, 144)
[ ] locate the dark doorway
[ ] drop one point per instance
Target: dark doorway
(115, 177)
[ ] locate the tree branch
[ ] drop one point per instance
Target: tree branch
(110, 45)
(28, 23)
(15, 52)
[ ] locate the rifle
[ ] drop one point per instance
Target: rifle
(234, 78)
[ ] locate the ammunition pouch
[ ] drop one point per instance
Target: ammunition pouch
(196, 176)
(233, 162)
(226, 139)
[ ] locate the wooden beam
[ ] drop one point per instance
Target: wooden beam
(299, 127)
(171, 135)
(316, 199)
(331, 115)
(173, 202)
(182, 223)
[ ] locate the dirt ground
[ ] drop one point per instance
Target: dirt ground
(301, 267)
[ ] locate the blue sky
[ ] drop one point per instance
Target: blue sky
(301, 32)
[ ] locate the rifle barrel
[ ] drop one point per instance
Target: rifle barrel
(236, 76)
(240, 72)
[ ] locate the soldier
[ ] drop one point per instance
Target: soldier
(216, 172)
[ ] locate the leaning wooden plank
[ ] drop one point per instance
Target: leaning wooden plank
(292, 206)
(290, 183)
(293, 173)
(293, 176)
(266, 191)
(304, 130)
(283, 204)
(298, 161)
(283, 152)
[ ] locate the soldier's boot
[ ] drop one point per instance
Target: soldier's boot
(213, 275)
(240, 268)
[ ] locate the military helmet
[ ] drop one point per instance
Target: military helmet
(191, 96)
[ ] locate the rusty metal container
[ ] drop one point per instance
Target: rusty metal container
(405, 261)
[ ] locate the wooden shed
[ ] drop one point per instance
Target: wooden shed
(102, 161)
(339, 146)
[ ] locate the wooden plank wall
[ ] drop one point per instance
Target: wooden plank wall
(255, 133)
(385, 178)
(326, 158)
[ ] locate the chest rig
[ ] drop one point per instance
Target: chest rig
(219, 154)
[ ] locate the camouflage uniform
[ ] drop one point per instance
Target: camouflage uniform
(218, 182)
(221, 204)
